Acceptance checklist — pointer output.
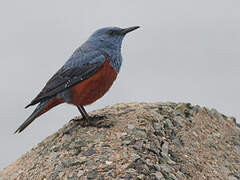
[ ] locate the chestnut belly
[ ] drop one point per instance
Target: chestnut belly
(93, 88)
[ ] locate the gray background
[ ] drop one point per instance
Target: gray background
(185, 51)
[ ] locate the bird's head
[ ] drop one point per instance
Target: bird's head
(110, 37)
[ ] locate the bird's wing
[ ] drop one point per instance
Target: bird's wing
(69, 75)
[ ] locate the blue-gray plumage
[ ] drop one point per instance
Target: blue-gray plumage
(86, 76)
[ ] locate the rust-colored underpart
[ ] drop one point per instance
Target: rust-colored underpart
(93, 88)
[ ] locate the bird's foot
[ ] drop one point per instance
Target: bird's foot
(75, 120)
(93, 121)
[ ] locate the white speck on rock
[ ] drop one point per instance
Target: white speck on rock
(80, 173)
(108, 162)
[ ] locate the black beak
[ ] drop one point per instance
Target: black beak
(127, 30)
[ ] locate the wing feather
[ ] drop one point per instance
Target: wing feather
(68, 76)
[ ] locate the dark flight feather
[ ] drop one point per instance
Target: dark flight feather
(64, 79)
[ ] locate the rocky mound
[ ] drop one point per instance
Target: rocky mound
(138, 141)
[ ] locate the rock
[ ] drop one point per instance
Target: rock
(165, 150)
(165, 168)
(178, 142)
(216, 114)
(73, 162)
(140, 166)
(180, 175)
(61, 174)
(54, 155)
(237, 130)
(89, 152)
(130, 126)
(56, 148)
(80, 143)
(172, 176)
(195, 109)
(231, 177)
(108, 162)
(180, 109)
(145, 141)
(135, 156)
(171, 162)
(126, 142)
(120, 135)
(92, 174)
(78, 151)
(158, 176)
(139, 133)
(157, 126)
(153, 149)
(67, 138)
(138, 145)
(237, 148)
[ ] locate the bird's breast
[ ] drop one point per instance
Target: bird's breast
(93, 88)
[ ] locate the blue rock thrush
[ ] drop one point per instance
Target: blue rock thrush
(86, 76)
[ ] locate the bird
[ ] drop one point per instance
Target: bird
(85, 77)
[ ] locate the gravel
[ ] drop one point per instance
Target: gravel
(154, 141)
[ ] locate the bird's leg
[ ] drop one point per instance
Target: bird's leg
(83, 112)
(88, 120)
(85, 116)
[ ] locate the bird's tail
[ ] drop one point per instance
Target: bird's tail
(40, 109)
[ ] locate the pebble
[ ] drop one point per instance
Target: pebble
(224, 169)
(126, 142)
(216, 114)
(178, 142)
(153, 148)
(59, 167)
(119, 135)
(61, 174)
(78, 151)
(104, 145)
(125, 138)
(108, 162)
(159, 176)
(89, 152)
(81, 143)
(180, 109)
(195, 109)
(138, 145)
(218, 135)
(180, 175)
(237, 130)
(173, 177)
(130, 126)
(237, 148)
(73, 162)
(231, 177)
(135, 156)
(54, 155)
(171, 162)
(139, 133)
(165, 150)
(92, 174)
(165, 168)
(180, 120)
(169, 123)
(67, 138)
(157, 126)
(56, 148)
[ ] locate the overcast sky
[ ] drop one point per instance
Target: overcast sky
(185, 51)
